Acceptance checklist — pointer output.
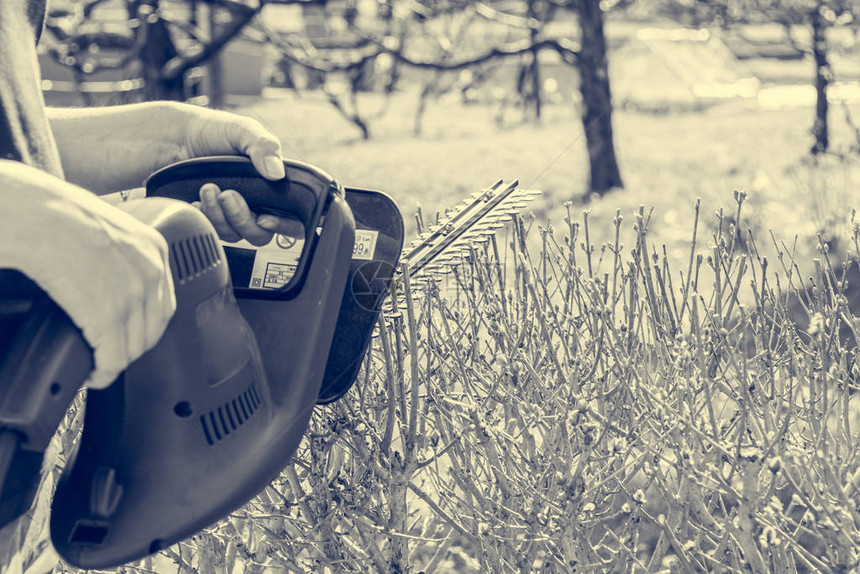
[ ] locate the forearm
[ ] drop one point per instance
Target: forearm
(114, 148)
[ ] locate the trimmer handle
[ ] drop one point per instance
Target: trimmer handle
(48, 363)
(42, 369)
(302, 194)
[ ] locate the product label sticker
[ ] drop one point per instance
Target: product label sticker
(277, 275)
(365, 244)
(274, 263)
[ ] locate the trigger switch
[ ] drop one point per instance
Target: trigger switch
(105, 493)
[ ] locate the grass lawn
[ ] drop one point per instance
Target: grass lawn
(667, 161)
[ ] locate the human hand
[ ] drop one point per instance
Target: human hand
(213, 132)
(108, 271)
(234, 220)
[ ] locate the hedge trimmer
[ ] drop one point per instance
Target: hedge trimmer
(213, 413)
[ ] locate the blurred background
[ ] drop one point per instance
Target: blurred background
(603, 105)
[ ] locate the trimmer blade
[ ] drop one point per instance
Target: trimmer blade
(471, 223)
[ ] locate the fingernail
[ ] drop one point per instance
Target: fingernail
(274, 167)
(267, 222)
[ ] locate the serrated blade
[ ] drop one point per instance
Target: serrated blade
(472, 222)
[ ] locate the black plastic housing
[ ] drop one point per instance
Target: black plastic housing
(207, 418)
(366, 287)
(44, 360)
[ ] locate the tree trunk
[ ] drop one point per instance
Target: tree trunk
(536, 92)
(158, 49)
(214, 67)
(823, 75)
(596, 100)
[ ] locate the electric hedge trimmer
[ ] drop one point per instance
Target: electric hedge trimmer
(206, 419)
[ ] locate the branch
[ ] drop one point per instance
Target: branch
(354, 116)
(132, 48)
(494, 15)
(193, 32)
(79, 16)
(94, 67)
(90, 6)
(181, 64)
(567, 49)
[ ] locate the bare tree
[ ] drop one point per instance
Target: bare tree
(401, 33)
(818, 16)
(404, 34)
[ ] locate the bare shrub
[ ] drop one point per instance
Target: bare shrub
(579, 408)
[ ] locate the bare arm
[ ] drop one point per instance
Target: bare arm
(111, 149)
(115, 148)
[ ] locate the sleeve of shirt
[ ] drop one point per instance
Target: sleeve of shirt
(25, 135)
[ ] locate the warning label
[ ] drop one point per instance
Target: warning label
(365, 244)
(274, 263)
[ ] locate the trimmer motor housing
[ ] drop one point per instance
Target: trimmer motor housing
(212, 414)
(143, 473)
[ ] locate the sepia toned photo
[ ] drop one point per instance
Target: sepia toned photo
(429, 286)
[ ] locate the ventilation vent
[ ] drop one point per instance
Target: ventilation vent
(194, 255)
(218, 424)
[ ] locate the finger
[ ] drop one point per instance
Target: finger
(211, 207)
(100, 379)
(242, 219)
(259, 144)
(282, 225)
(270, 166)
